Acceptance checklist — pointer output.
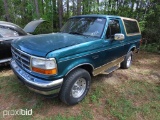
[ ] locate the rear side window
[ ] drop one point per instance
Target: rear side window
(131, 27)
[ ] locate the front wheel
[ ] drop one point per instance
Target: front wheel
(127, 60)
(75, 86)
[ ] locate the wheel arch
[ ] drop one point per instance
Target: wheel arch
(132, 48)
(87, 66)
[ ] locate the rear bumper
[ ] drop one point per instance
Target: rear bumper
(35, 84)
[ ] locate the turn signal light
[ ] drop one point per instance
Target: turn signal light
(43, 71)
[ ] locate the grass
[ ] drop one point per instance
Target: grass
(151, 47)
(132, 94)
(96, 94)
(136, 97)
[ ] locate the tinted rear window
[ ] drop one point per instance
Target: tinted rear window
(131, 27)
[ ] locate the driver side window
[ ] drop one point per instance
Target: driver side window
(113, 28)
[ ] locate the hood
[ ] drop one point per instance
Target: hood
(41, 45)
(31, 26)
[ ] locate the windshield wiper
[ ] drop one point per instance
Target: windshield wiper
(77, 33)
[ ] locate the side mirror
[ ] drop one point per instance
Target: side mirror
(119, 36)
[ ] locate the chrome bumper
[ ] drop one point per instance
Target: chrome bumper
(35, 84)
(5, 60)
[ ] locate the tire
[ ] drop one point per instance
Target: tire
(127, 60)
(75, 87)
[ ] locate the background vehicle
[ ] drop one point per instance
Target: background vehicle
(9, 32)
(63, 63)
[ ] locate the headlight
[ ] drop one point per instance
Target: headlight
(44, 66)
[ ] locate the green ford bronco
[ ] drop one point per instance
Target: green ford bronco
(63, 63)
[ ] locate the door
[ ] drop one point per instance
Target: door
(114, 48)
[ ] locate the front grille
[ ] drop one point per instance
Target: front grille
(21, 58)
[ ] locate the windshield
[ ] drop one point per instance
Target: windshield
(89, 26)
(4, 32)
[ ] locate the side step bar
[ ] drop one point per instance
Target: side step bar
(112, 69)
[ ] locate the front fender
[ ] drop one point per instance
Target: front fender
(69, 65)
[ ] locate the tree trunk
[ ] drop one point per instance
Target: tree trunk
(132, 7)
(37, 9)
(67, 8)
(83, 8)
(60, 12)
(73, 7)
(98, 6)
(106, 6)
(7, 16)
(79, 7)
(54, 14)
(42, 7)
(24, 14)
